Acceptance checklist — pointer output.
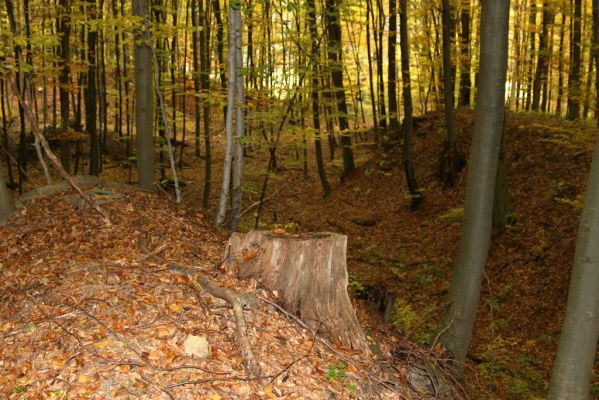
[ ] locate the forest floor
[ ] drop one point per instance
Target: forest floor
(85, 310)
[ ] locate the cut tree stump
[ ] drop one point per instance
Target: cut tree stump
(308, 273)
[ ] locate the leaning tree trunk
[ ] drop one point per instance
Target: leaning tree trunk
(309, 274)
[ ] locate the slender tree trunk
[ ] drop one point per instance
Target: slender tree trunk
(543, 57)
(532, 23)
(572, 370)
(560, 63)
(18, 51)
(465, 82)
(370, 17)
(450, 163)
(315, 101)
(118, 125)
(464, 292)
(236, 194)
(3, 99)
(408, 123)
(143, 100)
(226, 184)
(196, 72)
(379, 65)
(220, 44)
(90, 94)
(573, 111)
(335, 58)
(392, 71)
(205, 85)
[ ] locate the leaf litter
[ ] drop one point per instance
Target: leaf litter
(89, 311)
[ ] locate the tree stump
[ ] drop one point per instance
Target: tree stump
(308, 273)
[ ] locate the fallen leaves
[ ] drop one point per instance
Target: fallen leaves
(84, 313)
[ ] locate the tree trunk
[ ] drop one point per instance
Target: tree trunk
(574, 75)
(392, 71)
(449, 163)
(465, 81)
(560, 79)
(464, 293)
(315, 100)
(572, 371)
(335, 58)
(543, 57)
(205, 85)
(143, 100)
(225, 187)
(408, 123)
(308, 273)
(236, 192)
(532, 26)
(378, 44)
(90, 96)
(195, 43)
(369, 17)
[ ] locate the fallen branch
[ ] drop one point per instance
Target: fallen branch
(249, 360)
(52, 156)
(236, 300)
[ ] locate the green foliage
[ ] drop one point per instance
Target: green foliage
(19, 389)
(355, 286)
(504, 369)
(453, 215)
(336, 371)
(404, 316)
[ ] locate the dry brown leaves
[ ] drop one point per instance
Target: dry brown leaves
(92, 312)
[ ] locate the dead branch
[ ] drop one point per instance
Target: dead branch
(52, 156)
(249, 360)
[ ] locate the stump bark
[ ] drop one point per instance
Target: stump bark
(308, 273)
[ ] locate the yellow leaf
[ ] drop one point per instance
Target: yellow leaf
(103, 343)
(83, 378)
(175, 308)
(214, 396)
(58, 362)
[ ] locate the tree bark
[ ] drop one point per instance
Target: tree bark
(143, 100)
(315, 98)
(465, 81)
(90, 95)
(392, 71)
(572, 371)
(450, 163)
(308, 273)
(408, 123)
(335, 58)
(574, 75)
(543, 57)
(458, 320)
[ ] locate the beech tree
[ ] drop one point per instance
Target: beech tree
(408, 123)
(143, 99)
(234, 111)
(464, 292)
(573, 368)
(572, 371)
